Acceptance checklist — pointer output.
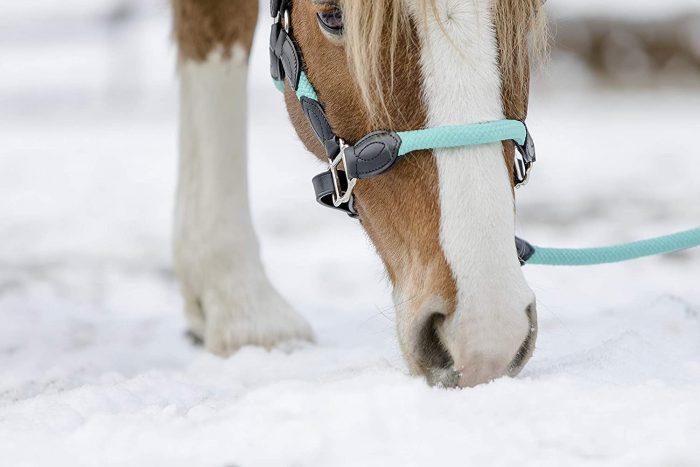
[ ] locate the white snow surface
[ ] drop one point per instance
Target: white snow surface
(94, 365)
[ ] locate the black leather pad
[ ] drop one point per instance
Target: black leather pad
(372, 155)
(525, 250)
(276, 70)
(276, 6)
(319, 123)
(324, 188)
(288, 53)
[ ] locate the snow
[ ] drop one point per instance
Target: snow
(94, 365)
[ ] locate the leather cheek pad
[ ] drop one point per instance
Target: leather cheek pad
(276, 69)
(524, 249)
(372, 155)
(319, 123)
(276, 6)
(285, 60)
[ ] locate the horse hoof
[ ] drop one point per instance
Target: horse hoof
(226, 319)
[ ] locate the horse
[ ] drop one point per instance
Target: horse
(442, 220)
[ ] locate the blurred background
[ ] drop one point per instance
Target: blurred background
(629, 43)
(88, 104)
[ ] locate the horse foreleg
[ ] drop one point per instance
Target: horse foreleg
(229, 299)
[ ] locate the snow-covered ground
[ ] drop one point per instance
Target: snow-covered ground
(95, 368)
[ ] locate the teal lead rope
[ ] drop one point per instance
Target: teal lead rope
(618, 253)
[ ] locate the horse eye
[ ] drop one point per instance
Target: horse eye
(331, 21)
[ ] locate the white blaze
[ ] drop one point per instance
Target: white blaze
(461, 84)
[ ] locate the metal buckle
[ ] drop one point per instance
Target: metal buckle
(287, 20)
(522, 170)
(524, 160)
(283, 18)
(341, 196)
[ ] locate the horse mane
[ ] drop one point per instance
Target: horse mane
(521, 26)
(373, 29)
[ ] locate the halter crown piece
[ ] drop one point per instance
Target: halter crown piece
(379, 151)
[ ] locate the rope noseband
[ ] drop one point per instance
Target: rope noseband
(378, 152)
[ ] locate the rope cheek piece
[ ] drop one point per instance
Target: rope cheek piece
(378, 152)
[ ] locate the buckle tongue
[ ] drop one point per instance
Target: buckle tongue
(343, 188)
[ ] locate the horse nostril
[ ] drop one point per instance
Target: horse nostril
(528, 346)
(433, 356)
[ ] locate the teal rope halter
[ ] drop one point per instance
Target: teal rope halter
(379, 151)
(443, 137)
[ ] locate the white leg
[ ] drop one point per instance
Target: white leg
(229, 300)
